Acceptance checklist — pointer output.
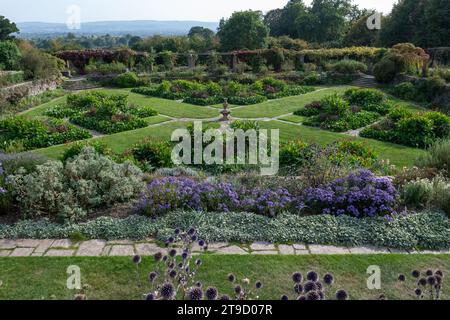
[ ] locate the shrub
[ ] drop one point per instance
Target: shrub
(153, 155)
(385, 71)
(295, 154)
(360, 194)
(242, 101)
(407, 91)
(203, 101)
(433, 193)
(312, 109)
(349, 67)
(106, 68)
(11, 163)
(9, 55)
(364, 97)
(416, 131)
(76, 148)
(127, 80)
(350, 121)
(438, 156)
(354, 153)
(33, 134)
(70, 191)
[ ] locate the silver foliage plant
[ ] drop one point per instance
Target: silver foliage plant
(70, 191)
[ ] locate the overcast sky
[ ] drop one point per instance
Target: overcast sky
(103, 10)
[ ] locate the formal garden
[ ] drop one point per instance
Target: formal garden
(87, 176)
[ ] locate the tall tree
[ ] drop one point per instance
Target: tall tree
(243, 30)
(273, 19)
(202, 32)
(437, 25)
(359, 34)
(7, 28)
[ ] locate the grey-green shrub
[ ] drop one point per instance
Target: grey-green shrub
(71, 191)
(438, 157)
(433, 194)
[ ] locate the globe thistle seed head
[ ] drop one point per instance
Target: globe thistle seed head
(284, 297)
(172, 274)
(439, 273)
(198, 284)
(231, 277)
(310, 286)
(191, 231)
(177, 231)
(319, 286)
(173, 253)
(164, 258)
(341, 295)
(184, 255)
(167, 291)
(171, 240)
(205, 248)
(312, 296)
(415, 273)
(237, 289)
(152, 276)
(225, 297)
(429, 272)
(298, 288)
(171, 265)
(195, 294)
(150, 296)
(438, 279)
(211, 293)
(137, 259)
(198, 262)
(328, 279)
(258, 285)
(158, 256)
(297, 277)
(418, 292)
(301, 298)
(401, 278)
(321, 295)
(194, 238)
(431, 280)
(312, 276)
(201, 243)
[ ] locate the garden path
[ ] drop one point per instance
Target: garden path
(97, 248)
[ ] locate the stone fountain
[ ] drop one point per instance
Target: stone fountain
(225, 112)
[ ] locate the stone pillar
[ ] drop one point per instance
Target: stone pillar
(191, 62)
(234, 63)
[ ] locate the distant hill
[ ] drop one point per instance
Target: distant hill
(138, 28)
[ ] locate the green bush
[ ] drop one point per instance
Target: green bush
(350, 121)
(76, 148)
(364, 97)
(70, 191)
(354, 153)
(106, 68)
(415, 131)
(127, 80)
(243, 101)
(295, 154)
(334, 105)
(34, 134)
(153, 155)
(10, 78)
(9, 55)
(385, 71)
(348, 67)
(312, 109)
(207, 101)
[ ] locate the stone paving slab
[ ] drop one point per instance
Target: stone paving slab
(148, 247)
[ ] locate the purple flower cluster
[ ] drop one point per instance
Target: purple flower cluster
(360, 194)
(171, 193)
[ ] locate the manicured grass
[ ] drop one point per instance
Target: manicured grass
(397, 154)
(293, 118)
(286, 105)
(115, 277)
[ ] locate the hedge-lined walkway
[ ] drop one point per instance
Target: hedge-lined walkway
(97, 248)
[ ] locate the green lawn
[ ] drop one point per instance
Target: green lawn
(115, 278)
(293, 118)
(398, 155)
(274, 108)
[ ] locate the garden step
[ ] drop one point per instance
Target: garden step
(97, 248)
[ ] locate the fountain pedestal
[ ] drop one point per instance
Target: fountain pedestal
(225, 112)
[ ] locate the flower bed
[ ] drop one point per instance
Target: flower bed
(358, 108)
(210, 93)
(103, 113)
(404, 127)
(21, 134)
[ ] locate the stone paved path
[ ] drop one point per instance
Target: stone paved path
(97, 248)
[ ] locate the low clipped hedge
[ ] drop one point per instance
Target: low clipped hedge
(244, 101)
(427, 230)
